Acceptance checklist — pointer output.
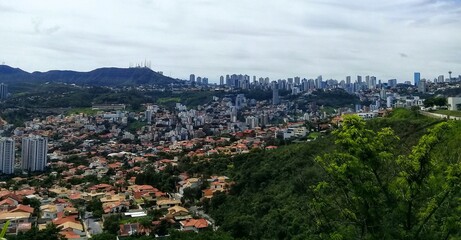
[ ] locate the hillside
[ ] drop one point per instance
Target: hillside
(297, 192)
(97, 77)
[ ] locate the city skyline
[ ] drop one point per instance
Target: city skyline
(335, 39)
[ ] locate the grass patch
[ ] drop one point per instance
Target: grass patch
(449, 113)
(168, 100)
(313, 135)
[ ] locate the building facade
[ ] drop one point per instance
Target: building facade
(3, 91)
(34, 153)
(7, 155)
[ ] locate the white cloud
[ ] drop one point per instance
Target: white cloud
(275, 38)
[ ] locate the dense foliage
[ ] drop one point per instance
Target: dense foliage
(435, 101)
(366, 181)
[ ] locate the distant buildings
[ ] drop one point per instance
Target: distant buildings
(275, 94)
(34, 153)
(3, 91)
(422, 86)
(392, 83)
(7, 155)
(417, 78)
(149, 116)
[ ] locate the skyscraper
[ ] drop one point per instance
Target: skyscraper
(192, 78)
(34, 150)
(7, 155)
(221, 80)
(3, 91)
(417, 78)
(441, 79)
(149, 116)
(422, 86)
(275, 94)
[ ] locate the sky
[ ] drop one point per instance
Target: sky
(266, 38)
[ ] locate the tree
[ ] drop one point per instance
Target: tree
(51, 232)
(33, 202)
(95, 206)
(435, 101)
(112, 224)
(370, 193)
(104, 236)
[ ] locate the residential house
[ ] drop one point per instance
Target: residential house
(194, 224)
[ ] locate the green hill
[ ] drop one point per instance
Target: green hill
(368, 185)
(97, 77)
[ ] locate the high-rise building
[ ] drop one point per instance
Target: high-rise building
(192, 78)
(240, 101)
(372, 82)
(392, 83)
(221, 80)
(251, 122)
(297, 81)
(318, 82)
(7, 155)
(3, 91)
(34, 153)
(441, 79)
(275, 94)
(359, 79)
(422, 86)
(348, 80)
(417, 78)
(149, 116)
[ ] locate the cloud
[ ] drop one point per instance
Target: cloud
(276, 38)
(37, 24)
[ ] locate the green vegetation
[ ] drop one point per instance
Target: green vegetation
(330, 99)
(392, 178)
(435, 101)
(86, 111)
(51, 232)
(449, 113)
(134, 125)
(165, 180)
(168, 100)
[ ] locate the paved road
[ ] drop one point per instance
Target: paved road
(92, 225)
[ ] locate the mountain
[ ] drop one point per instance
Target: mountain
(97, 77)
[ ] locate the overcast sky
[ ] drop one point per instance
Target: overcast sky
(274, 38)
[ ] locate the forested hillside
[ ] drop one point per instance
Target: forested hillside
(365, 181)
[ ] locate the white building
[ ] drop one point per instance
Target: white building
(453, 103)
(252, 122)
(34, 153)
(7, 155)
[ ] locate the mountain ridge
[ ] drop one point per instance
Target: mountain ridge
(106, 76)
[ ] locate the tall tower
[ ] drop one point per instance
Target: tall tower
(3, 91)
(417, 78)
(275, 94)
(7, 155)
(449, 76)
(34, 150)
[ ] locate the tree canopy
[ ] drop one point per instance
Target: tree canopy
(395, 178)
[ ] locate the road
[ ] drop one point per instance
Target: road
(92, 225)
